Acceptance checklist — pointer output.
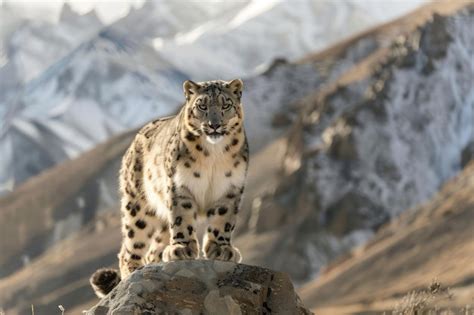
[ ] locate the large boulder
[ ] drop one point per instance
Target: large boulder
(202, 287)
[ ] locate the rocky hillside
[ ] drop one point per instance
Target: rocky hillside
(377, 140)
(203, 287)
(428, 245)
(356, 135)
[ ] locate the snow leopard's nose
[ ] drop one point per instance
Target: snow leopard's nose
(214, 125)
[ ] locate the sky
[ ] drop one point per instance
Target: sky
(111, 10)
(107, 10)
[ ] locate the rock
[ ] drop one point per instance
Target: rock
(202, 287)
(467, 154)
(435, 38)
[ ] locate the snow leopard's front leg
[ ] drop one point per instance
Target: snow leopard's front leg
(182, 221)
(222, 218)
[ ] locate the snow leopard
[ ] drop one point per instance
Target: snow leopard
(179, 169)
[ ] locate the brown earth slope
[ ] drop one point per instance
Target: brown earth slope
(434, 242)
(30, 216)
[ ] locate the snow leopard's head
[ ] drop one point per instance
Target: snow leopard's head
(213, 108)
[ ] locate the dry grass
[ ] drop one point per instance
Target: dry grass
(424, 301)
(61, 308)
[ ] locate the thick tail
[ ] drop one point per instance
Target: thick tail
(104, 280)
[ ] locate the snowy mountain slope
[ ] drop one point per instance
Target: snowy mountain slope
(35, 45)
(266, 30)
(30, 46)
(105, 86)
(165, 20)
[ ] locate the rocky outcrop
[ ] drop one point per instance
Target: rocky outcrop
(202, 287)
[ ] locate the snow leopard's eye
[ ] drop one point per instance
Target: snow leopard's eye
(227, 104)
(201, 104)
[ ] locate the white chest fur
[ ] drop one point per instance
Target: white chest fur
(210, 177)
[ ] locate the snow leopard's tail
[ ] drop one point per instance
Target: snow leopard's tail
(104, 280)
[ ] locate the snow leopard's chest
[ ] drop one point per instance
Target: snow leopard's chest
(209, 178)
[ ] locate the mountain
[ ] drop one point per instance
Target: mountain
(85, 99)
(28, 47)
(379, 139)
(217, 44)
(428, 245)
(34, 45)
(69, 86)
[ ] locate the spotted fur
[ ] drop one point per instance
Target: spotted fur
(178, 169)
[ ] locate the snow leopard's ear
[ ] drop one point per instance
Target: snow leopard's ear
(190, 88)
(236, 86)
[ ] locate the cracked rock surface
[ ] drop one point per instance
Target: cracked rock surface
(202, 287)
